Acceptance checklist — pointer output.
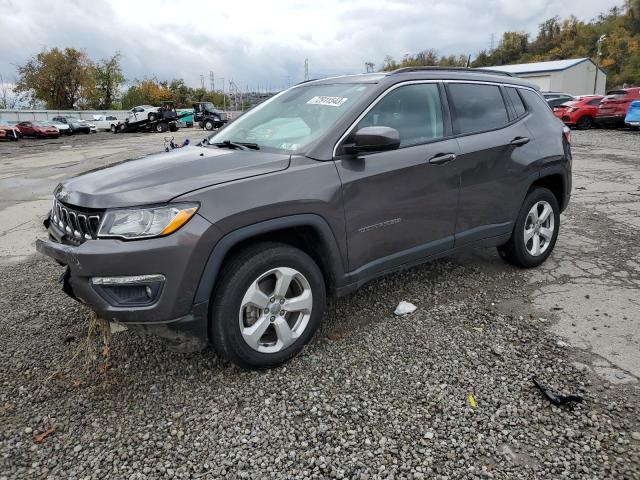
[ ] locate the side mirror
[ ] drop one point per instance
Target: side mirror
(373, 139)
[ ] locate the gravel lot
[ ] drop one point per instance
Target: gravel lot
(374, 395)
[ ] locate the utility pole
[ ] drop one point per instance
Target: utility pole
(202, 81)
(493, 41)
(598, 60)
(212, 81)
(306, 69)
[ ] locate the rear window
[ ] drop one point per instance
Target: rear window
(477, 107)
(516, 100)
(617, 93)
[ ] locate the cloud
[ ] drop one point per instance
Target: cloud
(259, 43)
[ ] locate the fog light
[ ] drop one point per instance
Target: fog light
(138, 290)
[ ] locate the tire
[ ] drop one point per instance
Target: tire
(584, 123)
(152, 117)
(113, 129)
(200, 124)
(208, 125)
(517, 251)
(174, 128)
(266, 262)
(161, 127)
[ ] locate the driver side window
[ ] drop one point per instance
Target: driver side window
(415, 111)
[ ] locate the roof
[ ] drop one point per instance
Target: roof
(542, 67)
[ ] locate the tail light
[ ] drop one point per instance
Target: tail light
(566, 134)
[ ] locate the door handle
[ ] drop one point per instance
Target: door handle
(519, 141)
(442, 158)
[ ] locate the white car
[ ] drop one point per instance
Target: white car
(142, 112)
(105, 122)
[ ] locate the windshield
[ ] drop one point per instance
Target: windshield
(294, 119)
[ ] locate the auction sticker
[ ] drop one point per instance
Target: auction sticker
(329, 101)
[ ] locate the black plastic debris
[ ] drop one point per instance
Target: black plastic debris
(555, 398)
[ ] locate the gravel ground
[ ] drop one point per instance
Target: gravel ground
(373, 396)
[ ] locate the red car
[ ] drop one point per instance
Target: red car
(38, 130)
(613, 108)
(580, 113)
(9, 132)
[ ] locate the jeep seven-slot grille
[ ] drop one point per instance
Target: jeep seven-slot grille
(77, 225)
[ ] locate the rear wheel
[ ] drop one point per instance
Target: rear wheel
(584, 123)
(152, 117)
(535, 232)
(114, 129)
(161, 127)
(208, 125)
(270, 300)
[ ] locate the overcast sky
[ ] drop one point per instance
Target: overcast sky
(264, 42)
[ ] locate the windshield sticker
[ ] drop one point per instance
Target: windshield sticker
(329, 101)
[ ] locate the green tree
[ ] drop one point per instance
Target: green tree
(108, 80)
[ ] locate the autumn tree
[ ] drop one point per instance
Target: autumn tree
(60, 78)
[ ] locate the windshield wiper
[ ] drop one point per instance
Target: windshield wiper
(238, 145)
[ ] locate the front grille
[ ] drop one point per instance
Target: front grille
(77, 225)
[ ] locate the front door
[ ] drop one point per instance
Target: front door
(400, 205)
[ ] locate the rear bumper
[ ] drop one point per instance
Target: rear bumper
(179, 257)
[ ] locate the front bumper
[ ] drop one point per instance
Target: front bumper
(179, 257)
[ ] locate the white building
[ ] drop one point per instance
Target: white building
(578, 76)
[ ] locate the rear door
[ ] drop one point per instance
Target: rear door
(400, 205)
(496, 157)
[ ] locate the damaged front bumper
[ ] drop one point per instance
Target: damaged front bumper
(147, 284)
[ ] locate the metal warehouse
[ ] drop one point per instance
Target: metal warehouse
(578, 76)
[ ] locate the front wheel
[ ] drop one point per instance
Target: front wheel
(208, 125)
(269, 303)
(535, 231)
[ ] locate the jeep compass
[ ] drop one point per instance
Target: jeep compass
(238, 241)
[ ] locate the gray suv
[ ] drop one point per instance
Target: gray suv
(237, 242)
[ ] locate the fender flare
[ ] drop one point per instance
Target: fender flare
(226, 243)
(560, 170)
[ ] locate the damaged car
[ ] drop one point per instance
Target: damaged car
(237, 242)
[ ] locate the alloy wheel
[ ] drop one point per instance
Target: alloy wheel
(538, 228)
(275, 310)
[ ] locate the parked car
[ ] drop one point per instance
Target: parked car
(613, 108)
(580, 113)
(106, 122)
(75, 124)
(556, 98)
(62, 127)
(632, 118)
(38, 130)
(142, 112)
(9, 132)
(186, 118)
(237, 241)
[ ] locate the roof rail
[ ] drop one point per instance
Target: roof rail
(452, 69)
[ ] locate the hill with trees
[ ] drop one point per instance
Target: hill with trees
(618, 53)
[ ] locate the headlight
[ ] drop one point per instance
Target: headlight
(145, 222)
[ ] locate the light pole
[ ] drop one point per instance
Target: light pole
(598, 57)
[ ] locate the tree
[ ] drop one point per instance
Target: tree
(8, 97)
(60, 78)
(108, 78)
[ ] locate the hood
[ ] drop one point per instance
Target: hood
(159, 178)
